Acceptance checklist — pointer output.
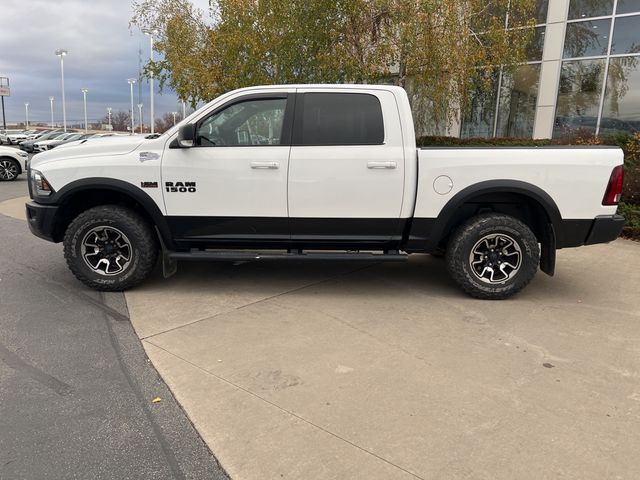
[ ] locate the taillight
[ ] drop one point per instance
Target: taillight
(614, 188)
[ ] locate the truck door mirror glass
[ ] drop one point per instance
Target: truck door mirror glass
(187, 135)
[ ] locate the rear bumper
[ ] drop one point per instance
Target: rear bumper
(602, 229)
(41, 219)
(605, 229)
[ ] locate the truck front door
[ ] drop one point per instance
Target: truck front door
(230, 188)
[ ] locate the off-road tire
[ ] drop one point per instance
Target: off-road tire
(16, 167)
(144, 247)
(466, 237)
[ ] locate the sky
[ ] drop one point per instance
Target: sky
(103, 54)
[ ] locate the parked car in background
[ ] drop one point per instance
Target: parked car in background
(41, 145)
(63, 139)
(16, 138)
(5, 133)
(13, 162)
(28, 145)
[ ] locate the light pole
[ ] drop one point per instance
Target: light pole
(109, 113)
(26, 111)
(84, 94)
(174, 117)
(131, 82)
(140, 115)
(150, 34)
(184, 109)
(62, 53)
(51, 103)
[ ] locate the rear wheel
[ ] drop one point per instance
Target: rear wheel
(493, 256)
(110, 248)
(9, 169)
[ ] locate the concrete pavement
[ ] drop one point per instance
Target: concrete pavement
(388, 371)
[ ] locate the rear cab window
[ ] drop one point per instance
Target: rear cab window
(324, 119)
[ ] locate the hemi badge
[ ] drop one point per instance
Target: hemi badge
(145, 156)
(149, 184)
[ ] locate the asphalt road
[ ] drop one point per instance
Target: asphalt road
(76, 387)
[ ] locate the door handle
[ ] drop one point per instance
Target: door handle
(265, 165)
(381, 165)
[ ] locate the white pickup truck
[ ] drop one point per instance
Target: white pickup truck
(319, 172)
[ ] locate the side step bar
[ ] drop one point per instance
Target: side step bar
(246, 256)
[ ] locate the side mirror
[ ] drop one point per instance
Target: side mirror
(187, 135)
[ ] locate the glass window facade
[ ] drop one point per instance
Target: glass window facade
(508, 108)
(621, 110)
(587, 39)
(600, 94)
(589, 8)
(581, 84)
(626, 35)
(628, 6)
(517, 104)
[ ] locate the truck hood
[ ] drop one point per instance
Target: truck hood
(94, 147)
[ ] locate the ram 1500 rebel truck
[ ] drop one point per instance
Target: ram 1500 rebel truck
(319, 172)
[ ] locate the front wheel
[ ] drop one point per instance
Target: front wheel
(110, 248)
(493, 256)
(9, 170)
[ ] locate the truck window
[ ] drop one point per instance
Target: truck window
(249, 123)
(341, 119)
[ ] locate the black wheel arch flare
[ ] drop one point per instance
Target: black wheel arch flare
(62, 197)
(426, 234)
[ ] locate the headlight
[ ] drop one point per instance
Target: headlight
(39, 184)
(22, 154)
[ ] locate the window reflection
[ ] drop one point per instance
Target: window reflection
(479, 120)
(621, 112)
(626, 36)
(535, 47)
(586, 39)
(518, 98)
(579, 96)
(516, 105)
(590, 8)
(628, 6)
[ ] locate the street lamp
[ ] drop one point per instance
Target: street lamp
(51, 103)
(84, 94)
(150, 34)
(26, 111)
(140, 115)
(62, 53)
(109, 113)
(131, 82)
(174, 117)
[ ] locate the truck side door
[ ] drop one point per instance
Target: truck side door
(230, 188)
(346, 169)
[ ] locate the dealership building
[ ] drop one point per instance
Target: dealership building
(583, 74)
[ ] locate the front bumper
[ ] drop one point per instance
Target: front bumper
(41, 219)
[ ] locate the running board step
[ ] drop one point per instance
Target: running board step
(243, 256)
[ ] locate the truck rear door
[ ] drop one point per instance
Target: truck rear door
(346, 168)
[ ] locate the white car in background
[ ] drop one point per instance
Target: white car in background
(4, 135)
(16, 138)
(13, 162)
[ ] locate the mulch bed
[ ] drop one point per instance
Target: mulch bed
(631, 233)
